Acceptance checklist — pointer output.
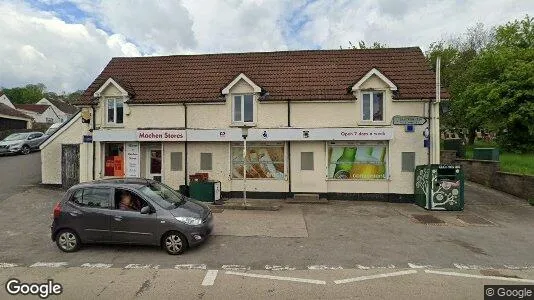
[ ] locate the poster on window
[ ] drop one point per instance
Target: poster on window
(357, 162)
(263, 161)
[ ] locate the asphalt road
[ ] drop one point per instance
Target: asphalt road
(18, 173)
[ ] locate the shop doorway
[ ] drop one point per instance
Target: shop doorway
(154, 163)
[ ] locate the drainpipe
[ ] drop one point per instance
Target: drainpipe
(93, 131)
(289, 145)
(185, 144)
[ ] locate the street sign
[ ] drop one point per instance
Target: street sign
(405, 120)
(87, 138)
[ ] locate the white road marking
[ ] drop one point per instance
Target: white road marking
(7, 265)
(512, 267)
(479, 276)
(49, 264)
(375, 267)
(416, 266)
(96, 266)
(304, 280)
(324, 267)
(138, 266)
(470, 267)
(209, 279)
(191, 267)
(279, 268)
(362, 278)
(235, 267)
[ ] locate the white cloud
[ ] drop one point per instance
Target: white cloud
(39, 47)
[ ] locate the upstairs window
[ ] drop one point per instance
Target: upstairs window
(243, 109)
(115, 111)
(373, 106)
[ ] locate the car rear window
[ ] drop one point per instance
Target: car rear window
(92, 197)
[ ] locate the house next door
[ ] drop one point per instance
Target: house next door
(154, 160)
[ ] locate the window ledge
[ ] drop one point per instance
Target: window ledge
(107, 125)
(236, 124)
(373, 123)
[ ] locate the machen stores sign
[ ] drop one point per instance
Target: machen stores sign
(254, 134)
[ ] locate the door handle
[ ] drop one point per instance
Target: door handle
(117, 218)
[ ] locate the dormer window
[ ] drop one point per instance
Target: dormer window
(243, 108)
(115, 111)
(373, 106)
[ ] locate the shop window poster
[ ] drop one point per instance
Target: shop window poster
(262, 162)
(357, 162)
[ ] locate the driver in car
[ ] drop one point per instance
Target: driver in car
(127, 203)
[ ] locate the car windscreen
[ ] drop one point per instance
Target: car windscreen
(162, 195)
(17, 136)
(51, 130)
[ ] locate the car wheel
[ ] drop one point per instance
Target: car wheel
(68, 241)
(174, 243)
(25, 150)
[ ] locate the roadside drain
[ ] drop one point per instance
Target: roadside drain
(475, 220)
(428, 219)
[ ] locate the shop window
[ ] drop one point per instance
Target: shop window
(408, 161)
(373, 106)
(176, 161)
(263, 160)
(205, 161)
(115, 111)
(243, 109)
(357, 162)
(114, 159)
(306, 161)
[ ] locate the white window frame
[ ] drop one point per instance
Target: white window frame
(242, 122)
(114, 110)
(370, 93)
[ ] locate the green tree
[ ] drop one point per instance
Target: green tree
(30, 93)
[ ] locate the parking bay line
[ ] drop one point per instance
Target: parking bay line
(49, 264)
(209, 279)
(479, 276)
(362, 278)
(304, 280)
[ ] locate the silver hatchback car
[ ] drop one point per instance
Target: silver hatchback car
(129, 211)
(22, 142)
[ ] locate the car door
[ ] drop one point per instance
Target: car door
(132, 226)
(91, 213)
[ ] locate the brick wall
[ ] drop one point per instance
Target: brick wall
(447, 156)
(479, 171)
(518, 185)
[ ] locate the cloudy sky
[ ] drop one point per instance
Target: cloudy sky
(65, 44)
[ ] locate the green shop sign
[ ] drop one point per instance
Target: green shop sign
(408, 120)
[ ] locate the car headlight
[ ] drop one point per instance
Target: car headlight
(190, 220)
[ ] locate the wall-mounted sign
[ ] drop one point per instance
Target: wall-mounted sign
(87, 138)
(163, 135)
(405, 120)
(132, 159)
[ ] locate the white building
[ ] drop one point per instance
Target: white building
(61, 108)
(332, 122)
(10, 117)
(40, 113)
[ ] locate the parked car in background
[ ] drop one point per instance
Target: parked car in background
(129, 211)
(53, 128)
(22, 142)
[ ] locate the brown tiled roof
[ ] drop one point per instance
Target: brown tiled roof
(8, 111)
(1, 93)
(286, 75)
(38, 108)
(64, 106)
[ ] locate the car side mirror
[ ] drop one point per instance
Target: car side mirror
(145, 210)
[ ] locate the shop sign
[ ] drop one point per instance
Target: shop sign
(163, 135)
(408, 120)
(87, 138)
(320, 134)
(214, 135)
(132, 159)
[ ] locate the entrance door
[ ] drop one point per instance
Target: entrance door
(70, 165)
(154, 161)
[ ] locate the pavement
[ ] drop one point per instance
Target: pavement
(338, 250)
